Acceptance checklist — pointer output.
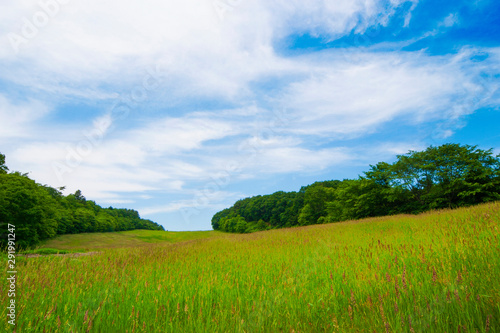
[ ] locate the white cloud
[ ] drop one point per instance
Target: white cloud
(168, 207)
(391, 149)
(277, 154)
(86, 46)
(354, 98)
(199, 200)
(450, 20)
(408, 16)
(18, 119)
(171, 135)
(331, 18)
(296, 159)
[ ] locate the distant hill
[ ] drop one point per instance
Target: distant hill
(41, 212)
(448, 176)
(123, 239)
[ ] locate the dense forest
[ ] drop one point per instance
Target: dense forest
(41, 212)
(447, 176)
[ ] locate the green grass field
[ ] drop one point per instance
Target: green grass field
(436, 272)
(121, 239)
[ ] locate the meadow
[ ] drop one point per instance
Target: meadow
(434, 272)
(120, 239)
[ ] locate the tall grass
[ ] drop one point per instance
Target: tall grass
(436, 272)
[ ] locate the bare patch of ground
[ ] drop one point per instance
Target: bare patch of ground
(81, 254)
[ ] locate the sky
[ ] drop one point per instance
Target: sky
(177, 109)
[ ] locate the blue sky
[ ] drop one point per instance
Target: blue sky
(178, 110)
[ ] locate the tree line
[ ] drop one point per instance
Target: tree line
(41, 212)
(447, 176)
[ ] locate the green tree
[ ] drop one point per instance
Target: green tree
(360, 198)
(240, 225)
(3, 167)
(79, 196)
(316, 197)
(450, 175)
(105, 222)
(40, 212)
(29, 207)
(307, 216)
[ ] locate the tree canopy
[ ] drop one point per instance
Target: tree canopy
(447, 176)
(41, 212)
(3, 167)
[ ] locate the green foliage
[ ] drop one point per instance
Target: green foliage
(277, 210)
(316, 197)
(40, 212)
(3, 167)
(233, 224)
(447, 176)
(29, 207)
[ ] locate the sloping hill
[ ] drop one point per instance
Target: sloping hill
(131, 238)
(435, 272)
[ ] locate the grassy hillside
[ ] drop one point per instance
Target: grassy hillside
(132, 238)
(436, 272)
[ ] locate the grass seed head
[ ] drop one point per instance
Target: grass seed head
(403, 279)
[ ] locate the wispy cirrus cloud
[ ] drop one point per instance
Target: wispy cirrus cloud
(18, 118)
(354, 98)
